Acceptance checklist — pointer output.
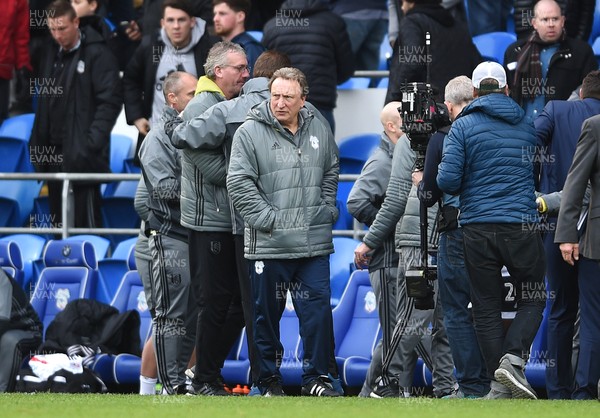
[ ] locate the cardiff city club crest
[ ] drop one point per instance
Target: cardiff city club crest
(62, 298)
(314, 142)
(259, 266)
(66, 250)
(370, 302)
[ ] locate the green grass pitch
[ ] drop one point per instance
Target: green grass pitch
(51, 405)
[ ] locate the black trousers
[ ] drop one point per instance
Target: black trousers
(87, 202)
(519, 247)
(214, 278)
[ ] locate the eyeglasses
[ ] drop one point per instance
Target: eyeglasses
(238, 68)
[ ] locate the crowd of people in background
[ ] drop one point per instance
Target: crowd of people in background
(240, 171)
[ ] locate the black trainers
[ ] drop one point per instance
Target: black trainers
(319, 387)
(274, 389)
(513, 377)
(391, 389)
(207, 389)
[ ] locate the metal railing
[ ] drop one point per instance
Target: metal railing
(66, 229)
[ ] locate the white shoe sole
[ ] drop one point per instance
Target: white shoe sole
(518, 390)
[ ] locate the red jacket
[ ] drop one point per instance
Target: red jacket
(14, 37)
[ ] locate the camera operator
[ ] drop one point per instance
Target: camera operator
(488, 159)
(364, 201)
(400, 210)
(454, 288)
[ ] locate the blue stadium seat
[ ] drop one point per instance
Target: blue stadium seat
(535, 369)
(385, 53)
(289, 331)
(596, 48)
(68, 274)
(492, 45)
(355, 151)
(256, 34)
(341, 265)
(114, 268)
(595, 32)
(121, 147)
(118, 210)
(383, 83)
(345, 220)
(130, 295)
(354, 83)
(356, 328)
(11, 260)
(31, 248)
(18, 127)
(15, 155)
(40, 214)
(100, 244)
(14, 144)
(236, 369)
(16, 201)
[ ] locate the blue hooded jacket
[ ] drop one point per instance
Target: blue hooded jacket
(488, 159)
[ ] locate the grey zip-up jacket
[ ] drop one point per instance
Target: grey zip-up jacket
(284, 185)
(400, 202)
(367, 195)
(204, 201)
(211, 133)
(161, 167)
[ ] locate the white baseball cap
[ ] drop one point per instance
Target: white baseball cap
(489, 69)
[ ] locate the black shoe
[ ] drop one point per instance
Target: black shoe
(180, 390)
(274, 389)
(207, 389)
(391, 389)
(320, 386)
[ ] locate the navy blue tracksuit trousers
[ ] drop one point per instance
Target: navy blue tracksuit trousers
(308, 282)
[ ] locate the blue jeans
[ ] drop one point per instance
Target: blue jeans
(455, 294)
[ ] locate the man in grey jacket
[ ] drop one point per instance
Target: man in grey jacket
(364, 201)
(161, 168)
(210, 134)
(400, 211)
(206, 212)
(283, 177)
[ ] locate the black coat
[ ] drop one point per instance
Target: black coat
(139, 77)
(94, 324)
(579, 16)
(316, 41)
(93, 102)
(451, 53)
(568, 66)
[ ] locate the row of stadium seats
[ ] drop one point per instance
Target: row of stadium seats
(23, 255)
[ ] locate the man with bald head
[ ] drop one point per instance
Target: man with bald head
(548, 65)
(364, 201)
(399, 217)
(168, 241)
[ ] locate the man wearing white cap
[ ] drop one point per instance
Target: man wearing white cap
(488, 159)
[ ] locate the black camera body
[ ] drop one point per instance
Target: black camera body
(419, 286)
(419, 113)
(421, 118)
